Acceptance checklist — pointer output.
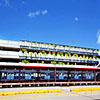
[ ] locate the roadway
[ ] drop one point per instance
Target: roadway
(63, 95)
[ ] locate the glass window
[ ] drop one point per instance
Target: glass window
(97, 74)
(75, 75)
(61, 75)
(10, 76)
(88, 75)
(46, 75)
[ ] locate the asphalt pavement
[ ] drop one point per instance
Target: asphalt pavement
(63, 95)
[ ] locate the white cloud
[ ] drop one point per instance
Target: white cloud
(31, 14)
(98, 42)
(44, 12)
(37, 13)
(98, 36)
(0, 4)
(7, 3)
(76, 18)
(23, 2)
(98, 32)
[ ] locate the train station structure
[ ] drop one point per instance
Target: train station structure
(38, 62)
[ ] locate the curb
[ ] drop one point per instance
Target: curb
(29, 92)
(85, 89)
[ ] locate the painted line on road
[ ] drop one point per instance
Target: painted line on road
(58, 94)
(29, 92)
(76, 93)
(12, 97)
(36, 95)
(96, 93)
(85, 89)
(91, 92)
(15, 97)
(22, 96)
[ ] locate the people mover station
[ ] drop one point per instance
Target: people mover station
(36, 63)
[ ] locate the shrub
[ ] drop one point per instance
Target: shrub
(25, 61)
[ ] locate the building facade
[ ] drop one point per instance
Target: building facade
(29, 61)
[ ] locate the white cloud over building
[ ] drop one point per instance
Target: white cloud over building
(98, 36)
(76, 18)
(37, 13)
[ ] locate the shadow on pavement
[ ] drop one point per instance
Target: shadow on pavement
(96, 99)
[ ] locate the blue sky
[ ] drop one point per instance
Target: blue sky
(51, 21)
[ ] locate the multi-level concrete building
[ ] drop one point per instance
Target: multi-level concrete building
(26, 61)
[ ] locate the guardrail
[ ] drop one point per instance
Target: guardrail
(37, 84)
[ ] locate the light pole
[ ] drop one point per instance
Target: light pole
(27, 36)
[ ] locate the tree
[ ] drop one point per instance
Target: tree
(61, 54)
(62, 63)
(59, 63)
(53, 62)
(49, 44)
(66, 55)
(31, 43)
(54, 54)
(67, 63)
(95, 57)
(40, 54)
(53, 45)
(25, 61)
(80, 57)
(57, 46)
(69, 55)
(75, 64)
(84, 57)
(49, 53)
(20, 51)
(24, 51)
(35, 53)
(90, 58)
(42, 62)
(30, 54)
(57, 53)
(69, 47)
(37, 62)
(87, 57)
(35, 43)
(44, 52)
(75, 55)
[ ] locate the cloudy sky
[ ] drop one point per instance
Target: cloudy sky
(70, 22)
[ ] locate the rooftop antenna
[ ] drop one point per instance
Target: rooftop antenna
(27, 36)
(72, 43)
